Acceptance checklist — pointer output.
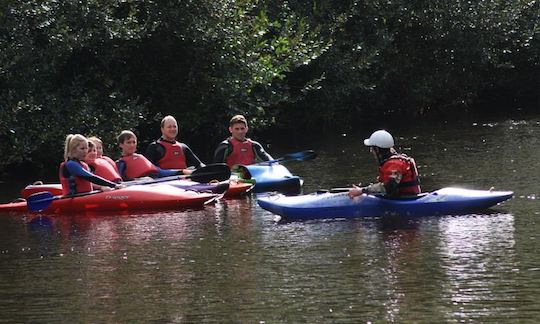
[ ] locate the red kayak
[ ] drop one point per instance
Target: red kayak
(233, 188)
(140, 197)
(238, 188)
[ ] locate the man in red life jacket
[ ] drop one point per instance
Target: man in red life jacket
(238, 149)
(168, 153)
(398, 175)
(132, 165)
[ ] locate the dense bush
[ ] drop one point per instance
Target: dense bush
(96, 67)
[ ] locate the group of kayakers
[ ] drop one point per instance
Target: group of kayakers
(85, 168)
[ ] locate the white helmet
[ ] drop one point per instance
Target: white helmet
(380, 138)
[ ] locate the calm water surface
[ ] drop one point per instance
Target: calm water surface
(233, 262)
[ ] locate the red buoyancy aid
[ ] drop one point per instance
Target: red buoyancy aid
(108, 159)
(242, 152)
(137, 165)
(174, 157)
(74, 184)
(104, 169)
(404, 165)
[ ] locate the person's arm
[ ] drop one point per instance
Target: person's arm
(374, 188)
(191, 158)
(220, 155)
(391, 187)
(166, 173)
(121, 165)
(260, 153)
(76, 169)
(154, 152)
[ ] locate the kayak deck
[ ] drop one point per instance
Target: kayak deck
(231, 188)
(274, 177)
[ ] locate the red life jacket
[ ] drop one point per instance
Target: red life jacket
(73, 184)
(409, 184)
(108, 159)
(104, 169)
(242, 152)
(174, 157)
(137, 166)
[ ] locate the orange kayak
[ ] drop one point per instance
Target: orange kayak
(133, 198)
(238, 188)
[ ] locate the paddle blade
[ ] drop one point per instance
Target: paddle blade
(211, 172)
(40, 201)
(297, 156)
(301, 156)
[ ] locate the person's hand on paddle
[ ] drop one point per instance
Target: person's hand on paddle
(355, 191)
(106, 188)
(187, 171)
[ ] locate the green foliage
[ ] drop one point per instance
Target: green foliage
(395, 59)
(60, 74)
(226, 57)
(97, 67)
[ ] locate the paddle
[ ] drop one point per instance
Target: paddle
(219, 171)
(297, 156)
(42, 200)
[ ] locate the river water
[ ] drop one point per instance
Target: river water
(232, 262)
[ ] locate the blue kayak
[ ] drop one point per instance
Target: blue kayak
(274, 177)
(444, 201)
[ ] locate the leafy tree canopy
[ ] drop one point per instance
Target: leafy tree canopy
(97, 67)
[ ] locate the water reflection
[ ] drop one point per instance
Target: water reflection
(232, 262)
(477, 254)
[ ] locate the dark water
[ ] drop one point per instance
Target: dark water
(233, 263)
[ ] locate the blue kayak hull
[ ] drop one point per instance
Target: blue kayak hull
(274, 177)
(446, 201)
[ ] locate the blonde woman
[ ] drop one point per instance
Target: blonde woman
(74, 174)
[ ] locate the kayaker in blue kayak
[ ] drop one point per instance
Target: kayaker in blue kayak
(133, 165)
(398, 175)
(167, 152)
(238, 149)
(74, 174)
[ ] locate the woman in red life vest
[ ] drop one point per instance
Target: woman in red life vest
(398, 175)
(238, 149)
(99, 150)
(74, 174)
(99, 166)
(168, 153)
(133, 165)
